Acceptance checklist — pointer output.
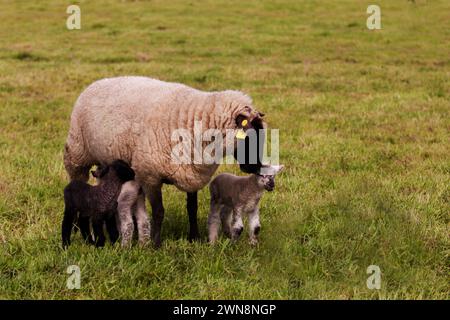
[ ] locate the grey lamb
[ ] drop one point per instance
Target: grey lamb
(232, 196)
(131, 203)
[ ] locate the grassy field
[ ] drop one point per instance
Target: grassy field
(364, 119)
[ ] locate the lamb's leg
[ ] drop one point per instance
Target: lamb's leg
(236, 224)
(67, 224)
(125, 203)
(85, 230)
(111, 226)
(155, 196)
(213, 222)
(192, 206)
(226, 218)
(97, 225)
(142, 221)
(254, 226)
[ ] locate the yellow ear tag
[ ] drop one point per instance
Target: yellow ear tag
(244, 122)
(241, 134)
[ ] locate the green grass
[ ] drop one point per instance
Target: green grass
(364, 119)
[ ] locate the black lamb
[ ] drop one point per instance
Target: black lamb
(95, 203)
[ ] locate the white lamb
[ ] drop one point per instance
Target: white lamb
(232, 196)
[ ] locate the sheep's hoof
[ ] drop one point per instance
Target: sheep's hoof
(253, 241)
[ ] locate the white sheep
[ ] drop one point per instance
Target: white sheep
(132, 119)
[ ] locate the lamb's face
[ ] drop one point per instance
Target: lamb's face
(118, 169)
(267, 182)
(266, 177)
(250, 145)
(100, 172)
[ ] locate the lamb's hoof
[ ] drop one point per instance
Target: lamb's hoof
(144, 242)
(125, 244)
(157, 244)
(237, 233)
(193, 238)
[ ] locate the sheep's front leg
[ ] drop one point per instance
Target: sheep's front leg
(155, 197)
(213, 222)
(192, 206)
(142, 221)
(236, 224)
(254, 226)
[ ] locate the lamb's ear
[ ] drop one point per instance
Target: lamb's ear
(277, 169)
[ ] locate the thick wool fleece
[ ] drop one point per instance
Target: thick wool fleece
(132, 118)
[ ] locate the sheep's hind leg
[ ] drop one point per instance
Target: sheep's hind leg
(192, 207)
(213, 222)
(76, 164)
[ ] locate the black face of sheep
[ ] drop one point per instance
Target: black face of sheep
(249, 150)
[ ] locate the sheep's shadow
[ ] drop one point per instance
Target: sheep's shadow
(175, 225)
